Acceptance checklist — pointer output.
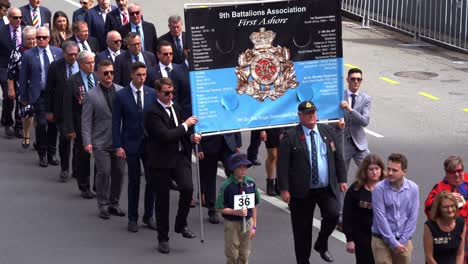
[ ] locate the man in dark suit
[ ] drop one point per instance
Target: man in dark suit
(11, 39)
(311, 171)
(213, 149)
(134, 53)
(73, 98)
(36, 15)
(96, 125)
(81, 36)
(117, 17)
(80, 13)
(4, 5)
(57, 75)
(114, 43)
(96, 18)
(179, 75)
(169, 150)
(128, 139)
(146, 30)
(177, 38)
(32, 83)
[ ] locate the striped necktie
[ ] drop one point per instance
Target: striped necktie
(90, 82)
(15, 38)
(35, 17)
(84, 46)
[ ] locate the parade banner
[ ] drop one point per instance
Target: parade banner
(252, 64)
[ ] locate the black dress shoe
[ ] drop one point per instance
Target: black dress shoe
(132, 227)
(43, 162)
(87, 194)
(185, 232)
(213, 218)
(116, 211)
(53, 161)
(104, 213)
(163, 247)
(9, 133)
(150, 223)
(63, 176)
(18, 132)
(326, 255)
(256, 162)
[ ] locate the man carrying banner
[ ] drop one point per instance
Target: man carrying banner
(311, 171)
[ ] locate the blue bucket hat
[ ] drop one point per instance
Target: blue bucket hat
(238, 159)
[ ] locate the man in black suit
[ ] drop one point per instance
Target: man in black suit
(168, 149)
(11, 38)
(177, 38)
(59, 71)
(118, 17)
(81, 36)
(134, 53)
(114, 43)
(311, 171)
(146, 30)
(96, 18)
(36, 15)
(80, 13)
(73, 98)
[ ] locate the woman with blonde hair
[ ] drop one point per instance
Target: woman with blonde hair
(357, 209)
(444, 232)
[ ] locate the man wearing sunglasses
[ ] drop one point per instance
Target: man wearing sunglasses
(114, 43)
(127, 132)
(57, 76)
(32, 83)
(11, 39)
(96, 127)
(80, 13)
(356, 108)
(146, 30)
(96, 18)
(36, 15)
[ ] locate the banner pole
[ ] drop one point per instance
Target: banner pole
(202, 233)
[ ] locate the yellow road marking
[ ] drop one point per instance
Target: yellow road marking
(430, 96)
(350, 65)
(388, 80)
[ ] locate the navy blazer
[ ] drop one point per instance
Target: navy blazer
(96, 25)
(149, 32)
(104, 55)
(113, 21)
(79, 14)
(127, 120)
(30, 81)
(123, 63)
(6, 45)
(27, 19)
(176, 58)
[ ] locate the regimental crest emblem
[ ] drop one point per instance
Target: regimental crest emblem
(265, 71)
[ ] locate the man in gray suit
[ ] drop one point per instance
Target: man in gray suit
(96, 129)
(356, 108)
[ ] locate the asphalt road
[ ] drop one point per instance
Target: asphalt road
(44, 221)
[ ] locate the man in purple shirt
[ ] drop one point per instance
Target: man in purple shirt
(395, 202)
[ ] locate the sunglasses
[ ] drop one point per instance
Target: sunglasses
(136, 13)
(167, 53)
(167, 93)
(17, 17)
(41, 37)
(117, 41)
(72, 54)
(353, 79)
(106, 73)
(459, 171)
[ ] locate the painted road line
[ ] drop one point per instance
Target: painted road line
(350, 65)
(430, 96)
(388, 80)
(73, 3)
(377, 135)
(281, 205)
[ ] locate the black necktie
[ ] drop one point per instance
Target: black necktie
(137, 58)
(168, 70)
(46, 61)
(139, 105)
(353, 100)
(315, 176)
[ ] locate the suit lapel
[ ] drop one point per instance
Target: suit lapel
(303, 142)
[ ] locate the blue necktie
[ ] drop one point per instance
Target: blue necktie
(46, 61)
(314, 165)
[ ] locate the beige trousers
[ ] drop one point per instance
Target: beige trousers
(383, 254)
(236, 243)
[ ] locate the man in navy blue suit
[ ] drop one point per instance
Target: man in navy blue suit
(128, 140)
(80, 13)
(146, 30)
(33, 72)
(114, 43)
(11, 38)
(96, 19)
(35, 15)
(118, 17)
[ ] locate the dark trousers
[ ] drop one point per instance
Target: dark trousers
(160, 178)
(64, 151)
(81, 164)
(46, 132)
(133, 188)
(362, 242)
(8, 104)
(302, 215)
(255, 142)
(208, 169)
